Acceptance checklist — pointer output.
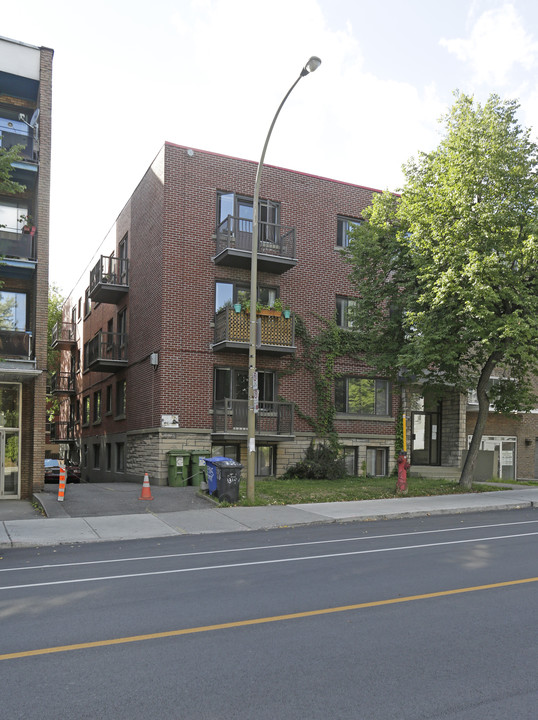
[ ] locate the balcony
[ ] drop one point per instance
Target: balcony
(274, 420)
(62, 432)
(109, 280)
(107, 352)
(275, 333)
(276, 245)
(62, 384)
(18, 251)
(64, 336)
(16, 357)
(17, 132)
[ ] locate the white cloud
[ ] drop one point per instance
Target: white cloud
(497, 43)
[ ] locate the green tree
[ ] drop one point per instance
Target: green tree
(7, 158)
(447, 272)
(56, 301)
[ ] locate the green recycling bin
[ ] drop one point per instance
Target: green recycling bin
(178, 467)
(198, 467)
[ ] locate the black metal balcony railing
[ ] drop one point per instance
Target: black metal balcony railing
(17, 245)
(276, 244)
(62, 432)
(109, 279)
(63, 335)
(272, 418)
(107, 352)
(62, 383)
(16, 344)
(276, 333)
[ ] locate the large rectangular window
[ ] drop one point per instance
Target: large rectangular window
(97, 406)
(344, 229)
(233, 383)
(362, 396)
(12, 311)
(86, 410)
(376, 461)
(227, 293)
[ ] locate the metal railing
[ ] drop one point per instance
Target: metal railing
(109, 347)
(63, 332)
(273, 239)
(62, 383)
(272, 418)
(62, 432)
(111, 271)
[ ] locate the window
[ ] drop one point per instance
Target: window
(108, 399)
(108, 450)
(96, 457)
(120, 457)
(236, 207)
(349, 455)
(74, 314)
(10, 215)
(265, 460)
(229, 451)
(122, 255)
(87, 302)
(85, 455)
(97, 406)
(120, 398)
(376, 461)
(362, 396)
(343, 307)
(122, 332)
(79, 308)
(472, 396)
(227, 293)
(344, 229)
(233, 383)
(13, 311)
(86, 410)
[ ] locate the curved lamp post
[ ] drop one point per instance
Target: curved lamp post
(310, 66)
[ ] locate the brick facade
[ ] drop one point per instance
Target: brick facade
(169, 223)
(25, 86)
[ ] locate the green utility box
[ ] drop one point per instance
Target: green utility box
(198, 467)
(178, 467)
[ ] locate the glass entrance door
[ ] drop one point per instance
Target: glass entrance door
(425, 445)
(9, 440)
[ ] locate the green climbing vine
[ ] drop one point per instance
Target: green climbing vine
(318, 358)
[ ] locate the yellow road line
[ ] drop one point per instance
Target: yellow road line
(261, 621)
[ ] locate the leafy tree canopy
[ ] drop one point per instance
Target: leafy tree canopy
(447, 271)
(7, 157)
(56, 301)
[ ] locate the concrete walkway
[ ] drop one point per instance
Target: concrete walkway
(94, 512)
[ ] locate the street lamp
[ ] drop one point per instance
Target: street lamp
(310, 66)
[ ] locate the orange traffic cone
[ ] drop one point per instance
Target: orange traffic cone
(146, 490)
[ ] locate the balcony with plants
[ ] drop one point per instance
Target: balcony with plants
(109, 279)
(275, 332)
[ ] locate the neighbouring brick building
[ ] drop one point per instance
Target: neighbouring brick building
(155, 337)
(25, 120)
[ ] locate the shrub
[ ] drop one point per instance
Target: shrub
(320, 462)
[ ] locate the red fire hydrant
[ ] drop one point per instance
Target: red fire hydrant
(403, 467)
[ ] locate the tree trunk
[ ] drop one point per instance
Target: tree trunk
(466, 478)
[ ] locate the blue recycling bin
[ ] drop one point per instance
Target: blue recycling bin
(223, 476)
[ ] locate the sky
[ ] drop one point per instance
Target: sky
(129, 75)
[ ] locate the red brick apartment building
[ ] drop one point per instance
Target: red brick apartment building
(155, 354)
(155, 338)
(25, 120)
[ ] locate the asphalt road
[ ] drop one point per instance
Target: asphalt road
(409, 619)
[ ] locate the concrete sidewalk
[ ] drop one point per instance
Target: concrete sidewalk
(95, 512)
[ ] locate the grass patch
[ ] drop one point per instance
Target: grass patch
(293, 491)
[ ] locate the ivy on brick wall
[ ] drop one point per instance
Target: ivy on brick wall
(317, 358)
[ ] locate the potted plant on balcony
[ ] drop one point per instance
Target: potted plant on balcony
(28, 227)
(282, 309)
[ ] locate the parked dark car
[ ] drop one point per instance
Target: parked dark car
(52, 471)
